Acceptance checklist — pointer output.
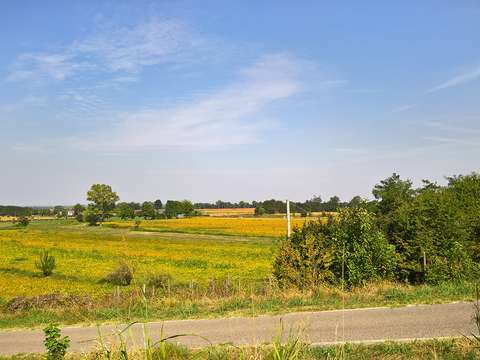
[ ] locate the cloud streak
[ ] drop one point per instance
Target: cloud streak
(221, 120)
(457, 80)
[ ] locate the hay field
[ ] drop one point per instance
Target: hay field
(228, 212)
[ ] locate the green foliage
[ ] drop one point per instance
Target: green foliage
(103, 201)
(332, 204)
(443, 222)
(137, 224)
(348, 247)
(188, 207)
(57, 348)
(453, 264)
(122, 275)
(11, 210)
(24, 218)
(259, 211)
(174, 208)
(78, 209)
(125, 211)
(46, 263)
(148, 210)
(291, 349)
(361, 252)
(393, 192)
(158, 204)
(275, 207)
(160, 215)
(304, 259)
(90, 217)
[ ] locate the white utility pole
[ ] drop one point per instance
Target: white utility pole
(288, 218)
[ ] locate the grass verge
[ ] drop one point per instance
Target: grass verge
(183, 303)
(445, 349)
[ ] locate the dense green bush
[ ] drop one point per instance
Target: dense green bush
(389, 239)
(348, 247)
(90, 217)
(433, 220)
(361, 252)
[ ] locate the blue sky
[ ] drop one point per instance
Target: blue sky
(234, 100)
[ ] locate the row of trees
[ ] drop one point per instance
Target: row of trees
(150, 209)
(103, 204)
(391, 238)
(278, 207)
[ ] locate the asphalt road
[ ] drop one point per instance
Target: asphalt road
(319, 328)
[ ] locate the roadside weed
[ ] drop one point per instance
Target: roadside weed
(57, 348)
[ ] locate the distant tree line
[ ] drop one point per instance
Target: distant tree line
(280, 207)
(150, 209)
(11, 210)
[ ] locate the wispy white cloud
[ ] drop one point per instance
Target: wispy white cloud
(116, 49)
(25, 103)
(223, 119)
(130, 49)
(449, 128)
(458, 80)
(400, 108)
(38, 67)
(119, 81)
(451, 140)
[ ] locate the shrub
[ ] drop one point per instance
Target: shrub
(24, 218)
(304, 259)
(454, 266)
(159, 279)
(259, 211)
(122, 275)
(348, 247)
(91, 218)
(46, 263)
(365, 250)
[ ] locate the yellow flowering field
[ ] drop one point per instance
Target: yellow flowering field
(218, 226)
(84, 260)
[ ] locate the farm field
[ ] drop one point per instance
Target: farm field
(84, 260)
(266, 227)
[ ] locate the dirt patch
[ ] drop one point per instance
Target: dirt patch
(47, 301)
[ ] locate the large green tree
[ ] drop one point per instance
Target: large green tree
(103, 201)
(125, 211)
(158, 204)
(393, 193)
(173, 208)
(148, 210)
